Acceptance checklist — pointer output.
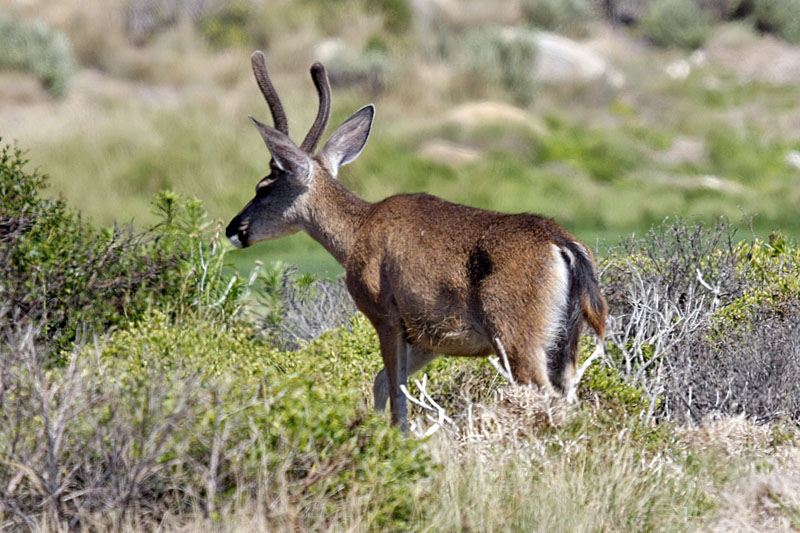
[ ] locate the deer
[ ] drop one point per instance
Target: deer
(432, 277)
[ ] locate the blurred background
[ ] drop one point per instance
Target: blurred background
(607, 115)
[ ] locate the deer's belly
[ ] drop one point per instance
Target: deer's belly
(452, 335)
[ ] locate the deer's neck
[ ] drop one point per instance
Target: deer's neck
(333, 218)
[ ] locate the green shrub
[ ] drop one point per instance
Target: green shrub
(564, 16)
(779, 16)
(176, 414)
(33, 47)
(234, 24)
(503, 57)
(607, 384)
(72, 280)
(679, 23)
(397, 14)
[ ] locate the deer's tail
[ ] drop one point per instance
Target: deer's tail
(584, 287)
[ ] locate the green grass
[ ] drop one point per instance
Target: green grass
(591, 165)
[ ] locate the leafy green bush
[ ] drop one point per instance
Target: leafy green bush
(33, 47)
(397, 14)
(679, 23)
(779, 16)
(72, 280)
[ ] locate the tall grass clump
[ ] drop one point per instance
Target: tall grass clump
(680, 23)
(35, 48)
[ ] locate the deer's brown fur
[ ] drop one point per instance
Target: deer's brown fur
(433, 277)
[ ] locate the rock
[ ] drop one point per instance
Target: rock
(754, 57)
(684, 150)
(475, 114)
(562, 60)
(707, 182)
(793, 159)
(448, 153)
(679, 69)
(347, 67)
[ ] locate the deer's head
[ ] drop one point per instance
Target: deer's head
(284, 197)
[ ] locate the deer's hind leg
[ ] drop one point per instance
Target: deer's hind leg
(527, 358)
(563, 352)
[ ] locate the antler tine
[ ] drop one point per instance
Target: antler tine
(259, 64)
(320, 78)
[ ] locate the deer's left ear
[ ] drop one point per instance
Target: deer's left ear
(347, 142)
(287, 156)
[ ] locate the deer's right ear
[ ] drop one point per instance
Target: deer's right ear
(286, 154)
(349, 139)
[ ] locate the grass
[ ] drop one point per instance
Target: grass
(589, 159)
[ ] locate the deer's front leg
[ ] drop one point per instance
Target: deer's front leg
(395, 365)
(417, 359)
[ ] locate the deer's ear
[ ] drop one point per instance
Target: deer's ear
(349, 139)
(286, 154)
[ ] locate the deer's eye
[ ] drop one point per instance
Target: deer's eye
(262, 191)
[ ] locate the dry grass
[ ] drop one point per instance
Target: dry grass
(768, 501)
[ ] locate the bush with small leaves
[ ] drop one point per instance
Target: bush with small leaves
(680, 23)
(235, 24)
(74, 280)
(34, 48)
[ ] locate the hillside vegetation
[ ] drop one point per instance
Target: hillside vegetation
(472, 105)
(146, 386)
(153, 378)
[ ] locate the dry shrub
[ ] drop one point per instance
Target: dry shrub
(506, 422)
(662, 289)
(301, 308)
(704, 325)
(750, 368)
(764, 501)
(737, 436)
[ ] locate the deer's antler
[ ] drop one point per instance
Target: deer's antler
(268, 90)
(320, 78)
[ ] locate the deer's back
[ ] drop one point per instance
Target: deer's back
(441, 267)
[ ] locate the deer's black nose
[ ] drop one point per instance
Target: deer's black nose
(236, 233)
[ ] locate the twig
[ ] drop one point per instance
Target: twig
(505, 371)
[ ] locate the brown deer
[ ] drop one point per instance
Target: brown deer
(432, 277)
